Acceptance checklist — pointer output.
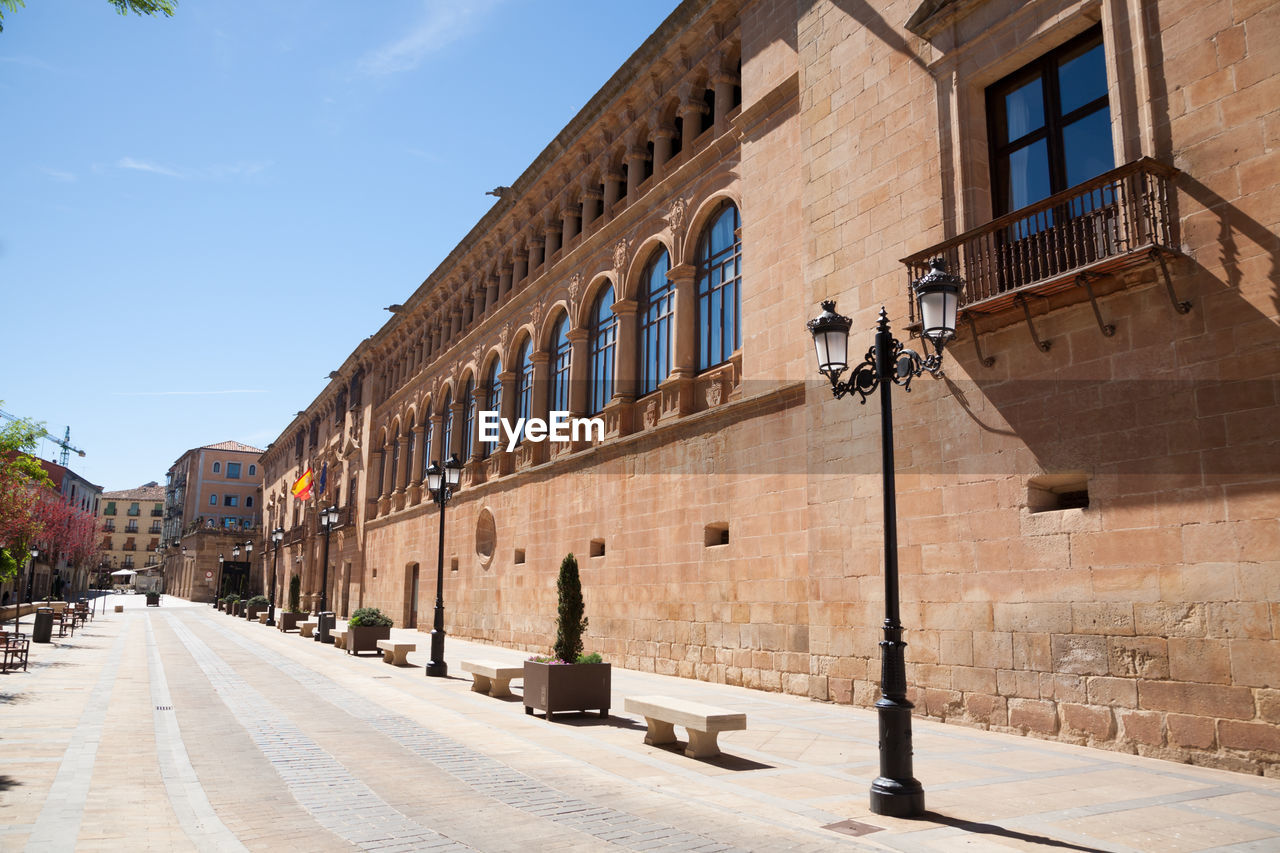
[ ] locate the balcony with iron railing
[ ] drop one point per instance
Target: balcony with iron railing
(1118, 220)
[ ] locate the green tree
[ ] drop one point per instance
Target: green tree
(22, 482)
(124, 7)
(571, 621)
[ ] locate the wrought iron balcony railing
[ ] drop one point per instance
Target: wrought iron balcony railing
(1115, 220)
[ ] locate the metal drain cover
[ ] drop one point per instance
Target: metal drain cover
(852, 827)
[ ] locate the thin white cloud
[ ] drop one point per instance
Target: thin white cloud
(144, 166)
(188, 393)
(443, 22)
(216, 172)
(30, 62)
(59, 175)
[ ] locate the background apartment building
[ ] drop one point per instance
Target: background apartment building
(1087, 500)
(131, 525)
(212, 502)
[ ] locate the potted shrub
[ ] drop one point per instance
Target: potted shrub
(153, 598)
(568, 680)
(365, 628)
(222, 603)
(254, 606)
(289, 619)
(233, 604)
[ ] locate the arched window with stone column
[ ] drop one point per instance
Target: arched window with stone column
(561, 364)
(604, 344)
(446, 429)
(656, 315)
(468, 418)
(524, 386)
(493, 402)
(718, 279)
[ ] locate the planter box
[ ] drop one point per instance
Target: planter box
(222, 605)
(153, 600)
(289, 621)
(252, 613)
(235, 608)
(364, 638)
(552, 687)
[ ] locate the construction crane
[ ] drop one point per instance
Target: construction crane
(64, 442)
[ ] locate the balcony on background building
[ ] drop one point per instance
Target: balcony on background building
(1117, 220)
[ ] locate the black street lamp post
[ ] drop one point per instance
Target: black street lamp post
(441, 482)
(248, 558)
(895, 792)
(328, 518)
(276, 536)
(31, 575)
(217, 585)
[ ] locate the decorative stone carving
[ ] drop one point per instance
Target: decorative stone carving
(504, 335)
(651, 414)
(676, 218)
(620, 255)
(715, 393)
(575, 286)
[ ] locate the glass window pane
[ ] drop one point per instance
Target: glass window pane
(1087, 147)
(1024, 110)
(1028, 175)
(1082, 78)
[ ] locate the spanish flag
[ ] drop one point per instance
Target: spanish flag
(302, 487)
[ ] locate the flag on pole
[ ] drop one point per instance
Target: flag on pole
(302, 486)
(324, 475)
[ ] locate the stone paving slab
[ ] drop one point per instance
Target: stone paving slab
(180, 728)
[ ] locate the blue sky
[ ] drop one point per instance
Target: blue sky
(201, 216)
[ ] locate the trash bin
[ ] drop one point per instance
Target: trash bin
(43, 631)
(326, 620)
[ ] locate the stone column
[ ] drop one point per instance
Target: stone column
(692, 109)
(684, 358)
(475, 452)
(591, 199)
(433, 453)
(722, 83)
(552, 239)
(504, 281)
(662, 150)
(535, 253)
(637, 156)
(415, 464)
(458, 410)
(521, 271)
(579, 371)
(627, 379)
(612, 192)
(490, 293)
(567, 215)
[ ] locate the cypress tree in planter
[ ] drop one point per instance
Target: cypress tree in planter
(289, 620)
(570, 680)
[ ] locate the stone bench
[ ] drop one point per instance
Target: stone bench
(396, 654)
(703, 722)
(306, 629)
(492, 677)
(262, 617)
(339, 638)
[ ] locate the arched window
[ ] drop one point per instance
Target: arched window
(493, 389)
(719, 276)
(213, 500)
(561, 361)
(253, 469)
(248, 502)
(395, 459)
(657, 306)
(524, 386)
(604, 341)
(447, 434)
(217, 467)
(468, 419)
(413, 438)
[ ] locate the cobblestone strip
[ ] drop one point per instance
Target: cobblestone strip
(338, 801)
(195, 814)
(489, 776)
(58, 826)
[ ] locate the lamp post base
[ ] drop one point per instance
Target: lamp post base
(436, 667)
(896, 792)
(897, 797)
(271, 615)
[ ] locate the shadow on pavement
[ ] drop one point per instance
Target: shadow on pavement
(1003, 832)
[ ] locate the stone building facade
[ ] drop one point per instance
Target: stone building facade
(212, 510)
(1087, 500)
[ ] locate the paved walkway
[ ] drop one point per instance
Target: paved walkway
(180, 728)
